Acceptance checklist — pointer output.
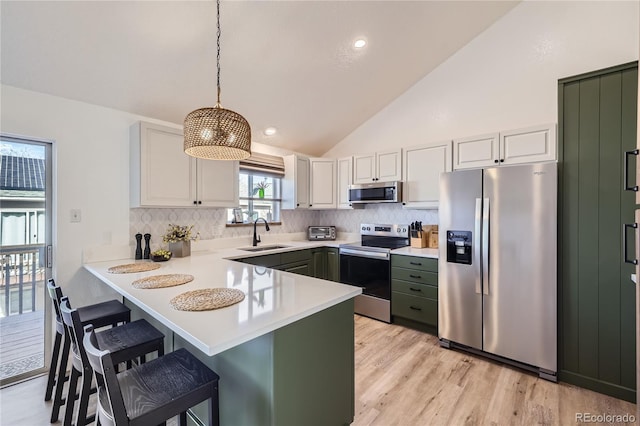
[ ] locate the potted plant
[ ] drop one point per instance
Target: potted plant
(179, 239)
(260, 187)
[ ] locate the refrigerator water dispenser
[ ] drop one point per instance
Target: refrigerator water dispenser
(459, 247)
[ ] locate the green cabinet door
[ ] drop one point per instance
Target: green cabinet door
(596, 303)
(319, 262)
(333, 264)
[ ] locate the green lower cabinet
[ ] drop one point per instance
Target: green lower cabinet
(333, 264)
(300, 268)
(414, 292)
(319, 260)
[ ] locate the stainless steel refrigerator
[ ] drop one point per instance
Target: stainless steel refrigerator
(497, 264)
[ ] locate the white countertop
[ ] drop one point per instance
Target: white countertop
(273, 298)
(418, 252)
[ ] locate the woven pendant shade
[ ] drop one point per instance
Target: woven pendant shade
(217, 134)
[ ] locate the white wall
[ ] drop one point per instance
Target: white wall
(506, 78)
(91, 165)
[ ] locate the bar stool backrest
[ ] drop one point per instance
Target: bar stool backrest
(55, 293)
(71, 319)
(103, 367)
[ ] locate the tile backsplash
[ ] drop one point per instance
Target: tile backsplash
(211, 222)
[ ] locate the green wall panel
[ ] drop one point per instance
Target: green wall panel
(597, 123)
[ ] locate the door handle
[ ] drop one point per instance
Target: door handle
(485, 247)
(476, 245)
(628, 155)
(625, 227)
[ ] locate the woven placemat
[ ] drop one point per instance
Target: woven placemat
(206, 299)
(133, 267)
(161, 281)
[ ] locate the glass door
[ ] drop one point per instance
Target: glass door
(25, 264)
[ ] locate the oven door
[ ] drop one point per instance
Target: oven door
(367, 269)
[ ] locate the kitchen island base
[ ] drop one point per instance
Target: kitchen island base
(300, 374)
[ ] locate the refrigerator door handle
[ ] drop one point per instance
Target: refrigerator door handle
(485, 247)
(477, 247)
(625, 227)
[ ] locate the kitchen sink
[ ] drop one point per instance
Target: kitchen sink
(263, 248)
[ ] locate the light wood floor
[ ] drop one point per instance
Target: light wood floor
(404, 378)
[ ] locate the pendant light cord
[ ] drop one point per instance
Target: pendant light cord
(218, 57)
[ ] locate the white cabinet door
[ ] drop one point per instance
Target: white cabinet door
(322, 175)
(162, 175)
(476, 151)
(295, 185)
(344, 179)
(389, 166)
(217, 183)
(364, 168)
(528, 145)
(422, 167)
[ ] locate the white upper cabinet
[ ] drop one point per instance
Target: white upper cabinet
(381, 166)
(476, 151)
(422, 167)
(529, 145)
(162, 175)
(322, 177)
(295, 185)
(344, 179)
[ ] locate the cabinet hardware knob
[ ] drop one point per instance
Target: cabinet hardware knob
(195, 202)
(502, 160)
(298, 205)
(495, 161)
(199, 202)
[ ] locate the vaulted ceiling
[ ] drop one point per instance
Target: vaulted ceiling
(286, 64)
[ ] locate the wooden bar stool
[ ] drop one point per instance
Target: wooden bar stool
(125, 342)
(151, 393)
(102, 314)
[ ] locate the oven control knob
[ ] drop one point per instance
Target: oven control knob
(368, 228)
(364, 229)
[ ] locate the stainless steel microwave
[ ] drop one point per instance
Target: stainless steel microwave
(378, 192)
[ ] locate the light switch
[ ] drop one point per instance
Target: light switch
(75, 216)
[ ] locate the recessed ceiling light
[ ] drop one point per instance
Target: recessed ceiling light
(360, 43)
(270, 131)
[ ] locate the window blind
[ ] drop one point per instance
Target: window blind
(264, 163)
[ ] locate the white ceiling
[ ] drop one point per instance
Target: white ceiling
(287, 64)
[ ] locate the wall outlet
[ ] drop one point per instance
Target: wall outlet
(75, 216)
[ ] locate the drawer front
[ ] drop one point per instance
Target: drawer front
(415, 289)
(412, 262)
(413, 275)
(418, 309)
(295, 256)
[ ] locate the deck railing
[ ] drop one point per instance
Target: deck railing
(22, 268)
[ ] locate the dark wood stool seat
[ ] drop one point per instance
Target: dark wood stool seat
(101, 314)
(127, 342)
(151, 393)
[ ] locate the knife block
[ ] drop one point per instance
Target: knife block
(420, 242)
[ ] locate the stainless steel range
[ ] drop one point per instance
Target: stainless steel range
(368, 265)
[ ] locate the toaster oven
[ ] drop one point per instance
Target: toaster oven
(321, 233)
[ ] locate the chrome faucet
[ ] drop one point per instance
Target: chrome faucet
(256, 238)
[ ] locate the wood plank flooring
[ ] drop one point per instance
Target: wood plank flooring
(404, 378)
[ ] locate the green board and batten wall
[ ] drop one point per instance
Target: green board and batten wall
(597, 124)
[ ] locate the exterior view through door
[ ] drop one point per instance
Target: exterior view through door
(25, 235)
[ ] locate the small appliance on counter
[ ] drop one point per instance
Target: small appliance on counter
(315, 233)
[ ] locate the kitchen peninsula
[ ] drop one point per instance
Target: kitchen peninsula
(285, 354)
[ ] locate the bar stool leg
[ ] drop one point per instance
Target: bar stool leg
(71, 397)
(53, 367)
(62, 372)
(85, 391)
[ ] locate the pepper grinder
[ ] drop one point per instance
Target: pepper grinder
(147, 249)
(138, 246)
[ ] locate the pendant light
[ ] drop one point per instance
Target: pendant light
(217, 133)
